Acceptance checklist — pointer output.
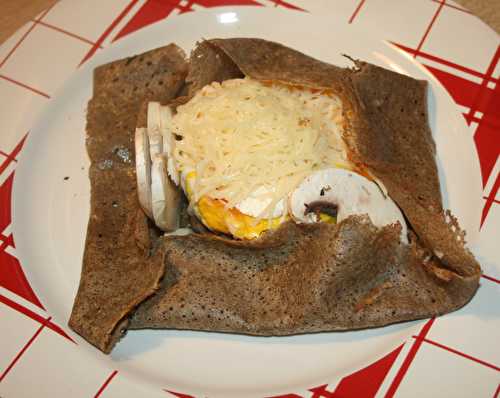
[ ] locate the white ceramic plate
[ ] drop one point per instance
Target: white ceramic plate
(50, 215)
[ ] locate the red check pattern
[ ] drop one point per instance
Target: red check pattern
(12, 276)
(153, 11)
(408, 360)
(33, 315)
(385, 375)
(108, 30)
(105, 384)
(356, 11)
(23, 350)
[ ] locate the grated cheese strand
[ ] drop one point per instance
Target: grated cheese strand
(243, 134)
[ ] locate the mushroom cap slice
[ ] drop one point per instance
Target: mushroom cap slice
(347, 193)
(143, 170)
(153, 116)
(180, 232)
(168, 142)
(166, 197)
(154, 129)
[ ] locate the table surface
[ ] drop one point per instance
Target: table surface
(462, 52)
(17, 12)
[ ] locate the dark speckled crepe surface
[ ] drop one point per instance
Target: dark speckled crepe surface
(299, 279)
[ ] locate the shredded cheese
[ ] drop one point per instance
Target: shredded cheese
(243, 137)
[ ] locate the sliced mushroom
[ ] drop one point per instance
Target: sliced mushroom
(347, 193)
(180, 232)
(166, 197)
(154, 131)
(168, 141)
(382, 187)
(153, 118)
(143, 170)
(322, 207)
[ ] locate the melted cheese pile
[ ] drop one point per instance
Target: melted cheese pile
(244, 135)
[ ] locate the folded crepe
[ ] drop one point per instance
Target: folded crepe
(300, 278)
(118, 274)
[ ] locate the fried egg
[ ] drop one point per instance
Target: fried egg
(242, 146)
(251, 155)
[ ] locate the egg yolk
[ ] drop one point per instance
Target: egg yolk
(214, 215)
(323, 217)
(231, 221)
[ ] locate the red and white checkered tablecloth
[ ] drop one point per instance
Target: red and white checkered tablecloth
(38, 58)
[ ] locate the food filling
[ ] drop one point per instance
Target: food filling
(249, 145)
(243, 149)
